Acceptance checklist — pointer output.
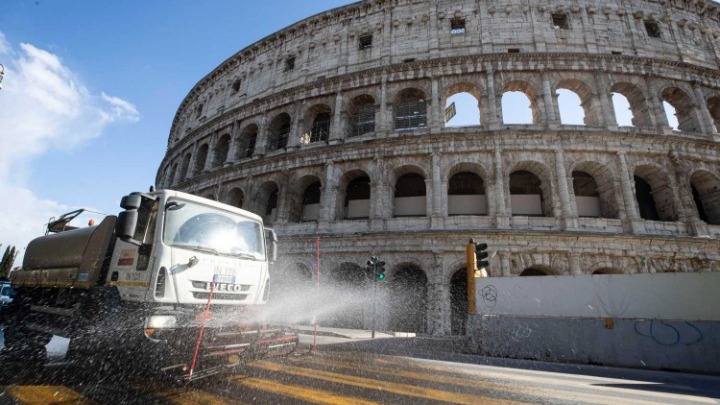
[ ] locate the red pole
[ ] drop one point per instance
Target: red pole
(202, 330)
(317, 285)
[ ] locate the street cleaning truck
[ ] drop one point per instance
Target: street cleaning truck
(175, 283)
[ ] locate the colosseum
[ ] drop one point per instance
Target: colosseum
(336, 129)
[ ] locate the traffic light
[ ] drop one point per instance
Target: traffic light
(377, 268)
(380, 271)
(481, 255)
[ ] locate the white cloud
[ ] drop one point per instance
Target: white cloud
(43, 106)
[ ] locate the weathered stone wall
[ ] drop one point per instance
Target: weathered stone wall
(249, 134)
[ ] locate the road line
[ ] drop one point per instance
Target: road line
(182, 396)
(47, 394)
(313, 395)
(375, 385)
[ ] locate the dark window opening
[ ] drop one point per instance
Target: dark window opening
(289, 63)
(616, 53)
(699, 204)
(646, 202)
(560, 21)
(466, 183)
(514, 50)
(653, 29)
(321, 128)
(410, 185)
(236, 85)
(358, 189)
(312, 194)
(199, 110)
(409, 60)
(365, 41)
(272, 202)
(457, 26)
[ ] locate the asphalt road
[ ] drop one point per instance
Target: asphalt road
(336, 376)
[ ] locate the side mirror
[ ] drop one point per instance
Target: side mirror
(126, 225)
(272, 244)
(131, 202)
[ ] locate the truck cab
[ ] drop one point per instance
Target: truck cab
(6, 294)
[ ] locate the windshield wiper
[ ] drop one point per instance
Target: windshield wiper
(244, 255)
(201, 248)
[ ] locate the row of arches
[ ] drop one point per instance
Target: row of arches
(529, 190)
(343, 297)
(622, 104)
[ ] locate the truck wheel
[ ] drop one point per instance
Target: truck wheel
(22, 344)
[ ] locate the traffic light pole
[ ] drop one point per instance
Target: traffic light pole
(470, 275)
(377, 268)
(374, 301)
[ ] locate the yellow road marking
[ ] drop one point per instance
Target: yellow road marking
(306, 394)
(396, 388)
(129, 284)
(47, 394)
(182, 396)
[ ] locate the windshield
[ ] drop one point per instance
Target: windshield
(200, 227)
(5, 291)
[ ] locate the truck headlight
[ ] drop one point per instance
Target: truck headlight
(161, 322)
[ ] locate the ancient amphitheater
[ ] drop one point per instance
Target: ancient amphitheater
(335, 127)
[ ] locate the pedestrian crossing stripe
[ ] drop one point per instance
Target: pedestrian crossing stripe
(182, 396)
(46, 394)
(306, 394)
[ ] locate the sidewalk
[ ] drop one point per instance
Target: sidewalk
(355, 334)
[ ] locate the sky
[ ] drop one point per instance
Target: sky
(91, 88)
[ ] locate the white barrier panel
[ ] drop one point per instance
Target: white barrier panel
(679, 296)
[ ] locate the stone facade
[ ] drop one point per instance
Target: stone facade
(334, 128)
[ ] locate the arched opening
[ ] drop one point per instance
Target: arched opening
(527, 195)
(607, 270)
(248, 139)
(201, 159)
(235, 197)
(279, 132)
(576, 103)
(311, 202)
(587, 197)
(714, 108)
(458, 302)
(408, 300)
(170, 179)
(462, 107)
(684, 110)
(537, 271)
(638, 114)
(655, 198)
(357, 197)
(706, 193)
(595, 191)
(362, 115)
(349, 297)
(319, 131)
(184, 166)
(466, 195)
(410, 196)
(410, 110)
(519, 104)
(221, 151)
(268, 202)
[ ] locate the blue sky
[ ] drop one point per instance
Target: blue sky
(91, 88)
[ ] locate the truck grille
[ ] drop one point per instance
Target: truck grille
(220, 296)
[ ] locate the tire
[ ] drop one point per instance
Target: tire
(25, 345)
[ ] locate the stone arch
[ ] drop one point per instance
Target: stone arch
(713, 105)
(353, 197)
(637, 101)
(222, 149)
(410, 192)
(538, 270)
(654, 194)
(530, 92)
(266, 200)
(458, 302)
(408, 299)
(530, 189)
(706, 194)
(467, 191)
(606, 270)
(304, 199)
(317, 119)
(361, 118)
(235, 197)
(601, 193)
(279, 132)
(410, 109)
(684, 108)
(247, 141)
(185, 166)
(201, 158)
(472, 91)
(170, 179)
(587, 99)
